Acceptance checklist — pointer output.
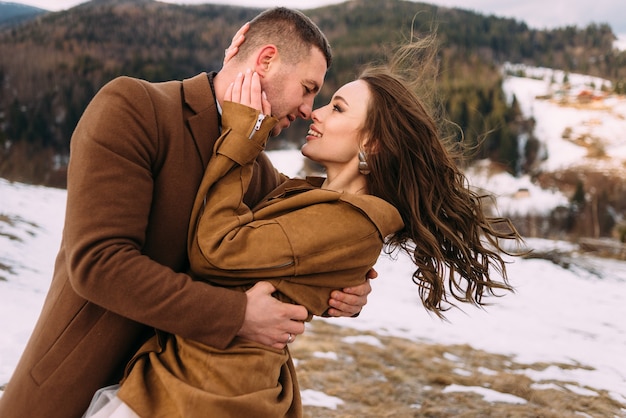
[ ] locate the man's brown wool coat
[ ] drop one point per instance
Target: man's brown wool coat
(137, 158)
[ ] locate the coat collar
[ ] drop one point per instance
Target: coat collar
(204, 122)
(381, 213)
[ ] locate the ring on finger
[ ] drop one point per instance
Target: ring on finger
(290, 338)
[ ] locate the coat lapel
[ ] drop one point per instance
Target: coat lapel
(204, 120)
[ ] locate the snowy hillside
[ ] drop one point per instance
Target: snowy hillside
(566, 112)
(579, 126)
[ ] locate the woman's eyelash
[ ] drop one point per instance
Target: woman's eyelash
(337, 108)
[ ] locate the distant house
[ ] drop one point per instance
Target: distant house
(585, 97)
(521, 193)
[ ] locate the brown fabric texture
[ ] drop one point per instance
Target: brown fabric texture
(176, 377)
(138, 156)
(305, 240)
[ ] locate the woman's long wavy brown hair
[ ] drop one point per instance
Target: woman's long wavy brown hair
(446, 233)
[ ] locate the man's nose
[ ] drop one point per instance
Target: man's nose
(305, 109)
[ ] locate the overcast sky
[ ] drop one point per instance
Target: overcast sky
(538, 14)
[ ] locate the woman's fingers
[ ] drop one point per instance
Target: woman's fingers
(229, 53)
(229, 92)
(256, 98)
(240, 34)
(236, 92)
(235, 43)
(267, 107)
(246, 90)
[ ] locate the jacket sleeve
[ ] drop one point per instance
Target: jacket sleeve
(306, 250)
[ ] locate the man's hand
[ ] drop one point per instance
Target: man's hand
(269, 321)
(351, 301)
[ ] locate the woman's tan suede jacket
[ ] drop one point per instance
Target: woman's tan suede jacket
(305, 240)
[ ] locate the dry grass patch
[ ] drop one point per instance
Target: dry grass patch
(393, 377)
(4, 268)
(12, 222)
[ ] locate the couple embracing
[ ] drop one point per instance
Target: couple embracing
(188, 263)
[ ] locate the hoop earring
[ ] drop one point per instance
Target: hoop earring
(364, 167)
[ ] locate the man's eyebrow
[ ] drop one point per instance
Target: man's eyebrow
(316, 88)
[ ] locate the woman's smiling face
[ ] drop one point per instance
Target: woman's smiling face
(334, 137)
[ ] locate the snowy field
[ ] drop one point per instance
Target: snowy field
(574, 316)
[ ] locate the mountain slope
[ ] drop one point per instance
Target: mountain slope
(58, 63)
(12, 14)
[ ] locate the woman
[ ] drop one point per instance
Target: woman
(391, 184)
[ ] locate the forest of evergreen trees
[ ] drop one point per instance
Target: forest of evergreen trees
(52, 66)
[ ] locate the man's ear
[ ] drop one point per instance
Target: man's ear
(266, 59)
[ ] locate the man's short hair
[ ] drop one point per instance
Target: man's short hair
(290, 30)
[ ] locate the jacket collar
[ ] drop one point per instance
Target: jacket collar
(204, 122)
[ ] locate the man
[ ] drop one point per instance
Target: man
(138, 155)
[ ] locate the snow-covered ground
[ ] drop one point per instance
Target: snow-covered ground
(573, 317)
(620, 43)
